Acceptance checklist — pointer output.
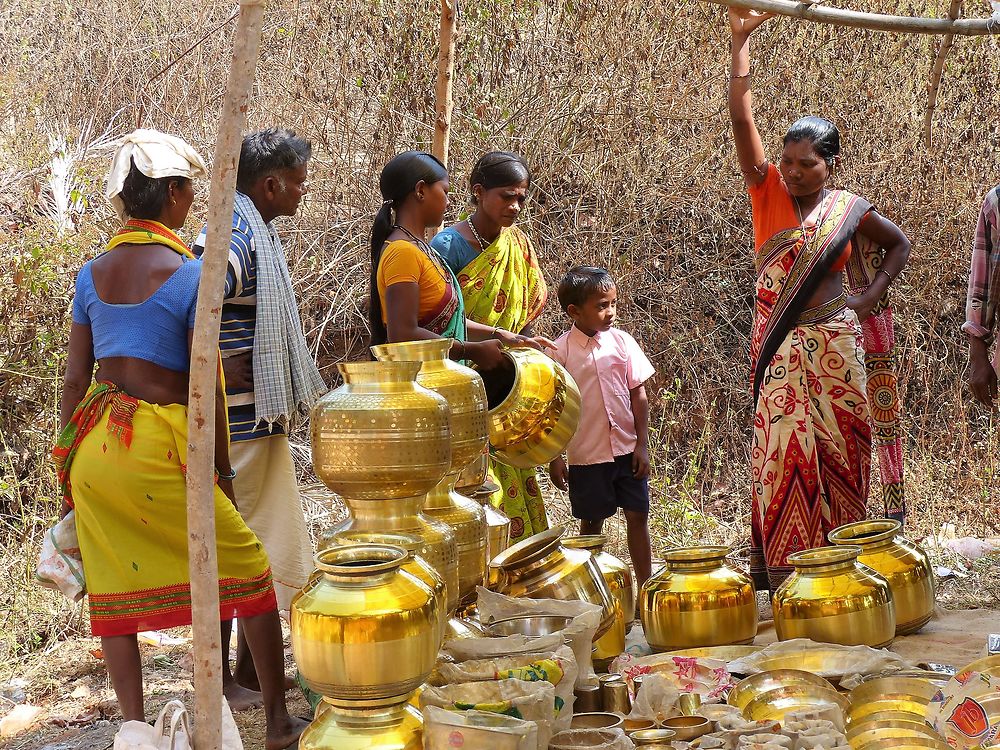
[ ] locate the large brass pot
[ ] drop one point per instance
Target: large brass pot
(618, 576)
(397, 727)
(539, 567)
(902, 563)
(534, 409)
(380, 435)
(465, 393)
(405, 515)
(365, 633)
(697, 599)
(832, 598)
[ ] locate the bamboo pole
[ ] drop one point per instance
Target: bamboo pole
(936, 71)
(873, 21)
(202, 558)
(443, 101)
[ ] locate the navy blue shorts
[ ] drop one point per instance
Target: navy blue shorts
(597, 491)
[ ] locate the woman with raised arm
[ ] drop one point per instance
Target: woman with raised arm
(811, 450)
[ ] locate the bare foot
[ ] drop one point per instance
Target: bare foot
(240, 698)
(254, 684)
(286, 736)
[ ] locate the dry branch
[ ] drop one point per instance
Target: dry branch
(202, 558)
(937, 70)
(443, 101)
(873, 21)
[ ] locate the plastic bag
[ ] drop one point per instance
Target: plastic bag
(477, 730)
(530, 701)
(138, 735)
(766, 738)
(584, 739)
(842, 661)
(579, 633)
(709, 678)
(557, 667)
(60, 565)
(656, 699)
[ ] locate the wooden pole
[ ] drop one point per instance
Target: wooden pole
(873, 21)
(936, 70)
(203, 562)
(443, 102)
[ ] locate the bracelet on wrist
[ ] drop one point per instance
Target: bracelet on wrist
(882, 270)
(227, 477)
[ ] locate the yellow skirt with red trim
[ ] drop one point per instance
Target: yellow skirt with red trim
(131, 519)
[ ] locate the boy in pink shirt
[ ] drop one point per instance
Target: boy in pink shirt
(608, 456)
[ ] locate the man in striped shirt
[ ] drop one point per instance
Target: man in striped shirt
(981, 302)
(271, 182)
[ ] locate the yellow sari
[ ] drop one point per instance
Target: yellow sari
(503, 286)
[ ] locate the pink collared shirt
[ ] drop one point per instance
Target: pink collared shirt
(606, 367)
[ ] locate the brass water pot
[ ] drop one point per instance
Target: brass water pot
(497, 522)
(697, 599)
(399, 727)
(534, 408)
(618, 576)
(539, 567)
(365, 633)
(465, 393)
(380, 436)
(901, 562)
(832, 598)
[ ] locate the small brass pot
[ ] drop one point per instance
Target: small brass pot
(399, 726)
(902, 563)
(366, 632)
(697, 599)
(688, 728)
(832, 598)
(465, 393)
(602, 720)
(539, 567)
(648, 737)
(534, 408)
(619, 579)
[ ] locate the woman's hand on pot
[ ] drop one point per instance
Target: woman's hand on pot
(515, 339)
(487, 354)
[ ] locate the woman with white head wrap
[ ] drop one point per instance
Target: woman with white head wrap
(122, 450)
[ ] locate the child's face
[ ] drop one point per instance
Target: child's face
(597, 313)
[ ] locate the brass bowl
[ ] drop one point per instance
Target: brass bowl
(828, 662)
(596, 720)
(882, 713)
(763, 682)
(890, 694)
(832, 598)
(534, 408)
(659, 736)
(902, 563)
(774, 704)
(987, 665)
(722, 653)
(870, 731)
(539, 567)
(531, 625)
(697, 599)
(687, 728)
(630, 726)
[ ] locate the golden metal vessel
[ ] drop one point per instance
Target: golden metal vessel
(534, 408)
(763, 682)
(497, 523)
(539, 567)
(460, 627)
(774, 704)
(688, 728)
(597, 720)
(905, 743)
(988, 665)
(619, 579)
(399, 727)
(890, 694)
(832, 598)
(901, 562)
(380, 436)
(697, 599)
(653, 737)
(365, 633)
(870, 731)
(465, 393)
(405, 515)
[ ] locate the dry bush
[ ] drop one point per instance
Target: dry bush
(620, 109)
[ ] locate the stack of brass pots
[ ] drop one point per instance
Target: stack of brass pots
(535, 412)
(381, 442)
(618, 576)
(890, 708)
(832, 598)
(365, 634)
(539, 567)
(465, 393)
(698, 599)
(902, 563)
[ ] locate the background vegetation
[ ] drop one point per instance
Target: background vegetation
(620, 109)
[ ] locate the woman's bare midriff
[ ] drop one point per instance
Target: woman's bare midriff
(144, 380)
(831, 287)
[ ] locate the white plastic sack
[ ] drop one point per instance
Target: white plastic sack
(138, 735)
(60, 565)
(530, 701)
(656, 699)
(557, 667)
(477, 730)
(709, 678)
(585, 739)
(579, 633)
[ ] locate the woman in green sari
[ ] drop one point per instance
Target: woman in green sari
(503, 289)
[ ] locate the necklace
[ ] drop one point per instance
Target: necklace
(475, 233)
(802, 223)
(429, 251)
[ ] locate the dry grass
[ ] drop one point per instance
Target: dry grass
(619, 107)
